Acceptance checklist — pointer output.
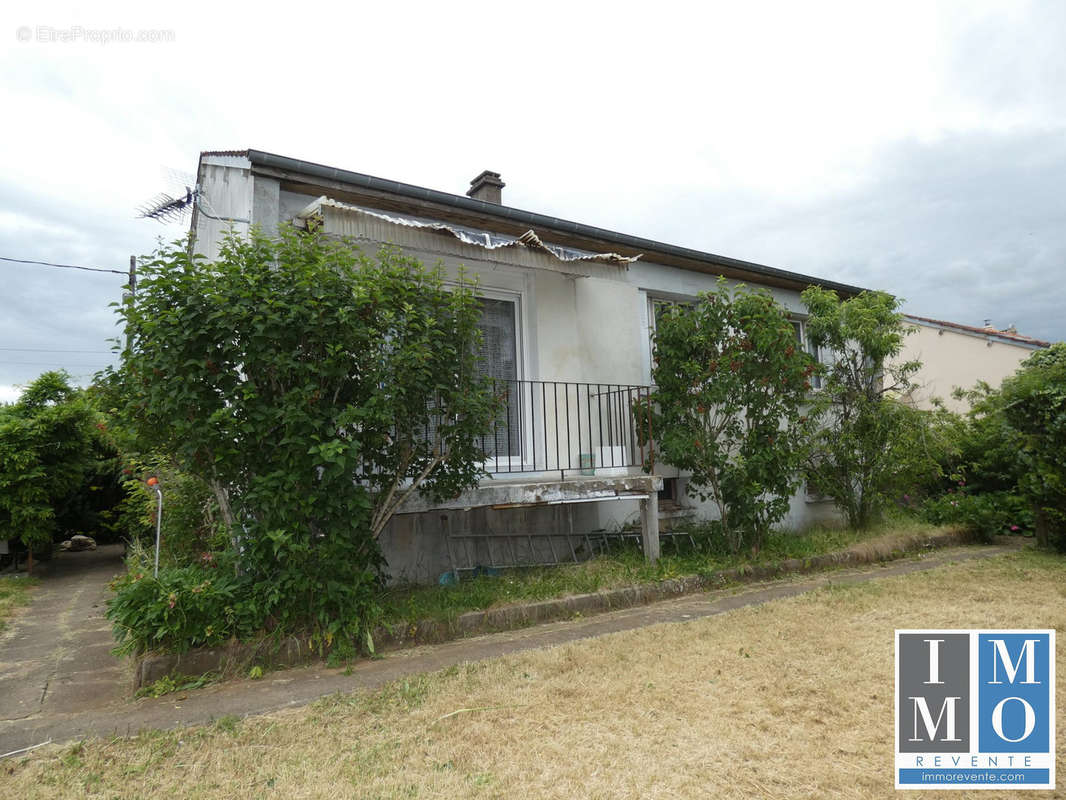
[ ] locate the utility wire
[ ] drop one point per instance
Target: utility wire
(62, 266)
(49, 364)
(43, 350)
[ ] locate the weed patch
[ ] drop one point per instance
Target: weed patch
(14, 592)
(169, 684)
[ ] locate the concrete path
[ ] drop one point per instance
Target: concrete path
(109, 714)
(55, 655)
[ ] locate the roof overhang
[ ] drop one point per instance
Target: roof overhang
(367, 191)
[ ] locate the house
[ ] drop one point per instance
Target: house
(958, 356)
(568, 309)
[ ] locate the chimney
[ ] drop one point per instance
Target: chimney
(488, 187)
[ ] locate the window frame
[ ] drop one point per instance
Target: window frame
(799, 324)
(526, 415)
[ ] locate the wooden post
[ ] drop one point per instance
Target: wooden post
(132, 291)
(649, 526)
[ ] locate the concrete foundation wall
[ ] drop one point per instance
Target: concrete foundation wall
(802, 514)
(416, 547)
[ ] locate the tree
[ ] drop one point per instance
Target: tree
(731, 380)
(1032, 404)
(314, 388)
(50, 444)
(870, 445)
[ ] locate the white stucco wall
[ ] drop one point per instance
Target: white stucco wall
(226, 192)
(956, 359)
(582, 323)
(559, 353)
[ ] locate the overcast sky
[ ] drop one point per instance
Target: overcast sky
(913, 147)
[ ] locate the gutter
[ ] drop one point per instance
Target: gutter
(528, 218)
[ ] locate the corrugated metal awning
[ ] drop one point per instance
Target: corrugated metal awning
(338, 217)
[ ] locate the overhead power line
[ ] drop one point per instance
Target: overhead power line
(53, 364)
(62, 266)
(43, 350)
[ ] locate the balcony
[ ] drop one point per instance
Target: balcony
(578, 430)
(558, 443)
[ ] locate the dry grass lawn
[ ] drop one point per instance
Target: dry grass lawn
(790, 699)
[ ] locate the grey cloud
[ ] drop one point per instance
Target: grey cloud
(967, 228)
(1010, 60)
(50, 309)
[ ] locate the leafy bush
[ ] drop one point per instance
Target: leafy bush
(731, 380)
(328, 588)
(1011, 454)
(314, 389)
(983, 514)
(1032, 403)
(871, 447)
(193, 606)
(210, 602)
(55, 463)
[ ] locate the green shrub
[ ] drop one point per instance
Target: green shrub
(870, 447)
(328, 588)
(193, 606)
(1032, 403)
(1012, 453)
(56, 464)
(728, 407)
(321, 592)
(314, 389)
(983, 515)
(191, 521)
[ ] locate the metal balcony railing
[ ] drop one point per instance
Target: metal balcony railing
(573, 428)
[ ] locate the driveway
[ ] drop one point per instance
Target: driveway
(55, 656)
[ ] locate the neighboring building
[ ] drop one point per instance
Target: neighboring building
(958, 356)
(568, 309)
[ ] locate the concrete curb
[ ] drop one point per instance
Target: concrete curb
(291, 651)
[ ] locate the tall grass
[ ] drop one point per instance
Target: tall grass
(697, 552)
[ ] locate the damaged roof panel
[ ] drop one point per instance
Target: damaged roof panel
(485, 239)
(307, 174)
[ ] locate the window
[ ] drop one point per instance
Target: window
(805, 344)
(812, 492)
(657, 307)
(499, 338)
(660, 306)
(498, 356)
